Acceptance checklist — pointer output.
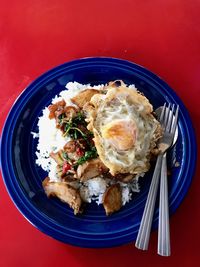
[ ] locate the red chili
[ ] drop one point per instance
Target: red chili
(79, 152)
(66, 167)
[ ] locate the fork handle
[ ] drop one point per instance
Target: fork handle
(163, 226)
(142, 240)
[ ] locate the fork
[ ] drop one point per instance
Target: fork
(169, 126)
(163, 225)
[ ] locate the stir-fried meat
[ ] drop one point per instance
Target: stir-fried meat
(82, 144)
(65, 172)
(121, 177)
(75, 146)
(73, 150)
(70, 112)
(116, 83)
(87, 133)
(112, 199)
(62, 113)
(127, 178)
(84, 97)
(70, 152)
(57, 107)
(91, 169)
(72, 156)
(64, 167)
(64, 192)
(65, 116)
(58, 157)
(70, 146)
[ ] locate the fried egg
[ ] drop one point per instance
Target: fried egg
(125, 130)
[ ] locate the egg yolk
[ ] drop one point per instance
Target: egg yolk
(121, 134)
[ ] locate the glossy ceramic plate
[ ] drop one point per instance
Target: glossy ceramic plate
(23, 178)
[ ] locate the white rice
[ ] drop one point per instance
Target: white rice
(50, 139)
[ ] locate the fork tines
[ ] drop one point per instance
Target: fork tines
(167, 118)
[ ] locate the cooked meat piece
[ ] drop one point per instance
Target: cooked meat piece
(127, 178)
(75, 149)
(69, 154)
(68, 178)
(82, 143)
(61, 113)
(57, 107)
(121, 177)
(116, 83)
(58, 157)
(83, 129)
(88, 133)
(112, 199)
(64, 116)
(64, 172)
(70, 146)
(83, 97)
(70, 112)
(64, 192)
(91, 169)
(89, 110)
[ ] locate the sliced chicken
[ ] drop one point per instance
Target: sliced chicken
(124, 177)
(65, 192)
(74, 150)
(112, 199)
(70, 146)
(57, 107)
(121, 177)
(70, 112)
(83, 97)
(91, 169)
(127, 178)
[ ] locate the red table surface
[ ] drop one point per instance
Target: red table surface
(163, 36)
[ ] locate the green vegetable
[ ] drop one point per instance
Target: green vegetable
(65, 156)
(60, 118)
(79, 119)
(67, 127)
(71, 127)
(75, 135)
(88, 155)
(74, 132)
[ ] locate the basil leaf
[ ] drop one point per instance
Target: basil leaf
(65, 156)
(88, 155)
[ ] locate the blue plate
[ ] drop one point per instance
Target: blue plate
(23, 177)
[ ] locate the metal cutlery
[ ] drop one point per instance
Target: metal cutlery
(169, 124)
(164, 248)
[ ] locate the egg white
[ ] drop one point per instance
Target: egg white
(122, 105)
